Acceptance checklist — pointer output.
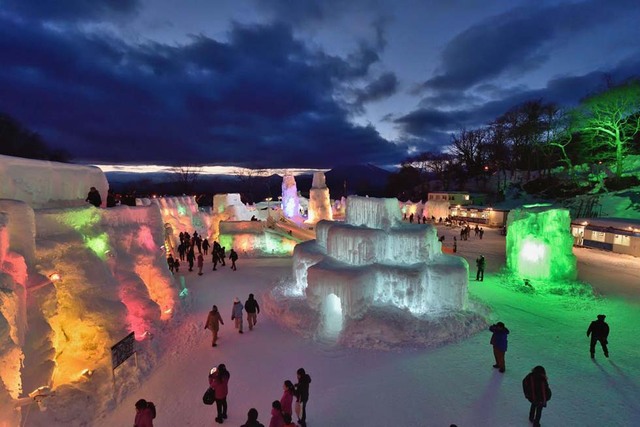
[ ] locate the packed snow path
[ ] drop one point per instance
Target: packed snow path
(436, 387)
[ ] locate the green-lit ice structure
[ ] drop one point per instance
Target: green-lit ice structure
(539, 243)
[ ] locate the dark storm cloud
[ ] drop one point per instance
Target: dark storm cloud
(380, 88)
(262, 99)
(516, 41)
(70, 10)
(434, 125)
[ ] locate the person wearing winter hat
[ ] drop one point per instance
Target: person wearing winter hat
(599, 331)
(236, 313)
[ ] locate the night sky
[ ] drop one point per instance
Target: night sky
(295, 83)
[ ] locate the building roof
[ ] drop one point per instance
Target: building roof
(623, 224)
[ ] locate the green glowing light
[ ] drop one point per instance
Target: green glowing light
(81, 219)
(98, 244)
(184, 293)
(182, 211)
(540, 245)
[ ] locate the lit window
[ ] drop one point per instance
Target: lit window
(598, 236)
(619, 239)
(466, 197)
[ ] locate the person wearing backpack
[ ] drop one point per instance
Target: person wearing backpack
(145, 413)
(536, 390)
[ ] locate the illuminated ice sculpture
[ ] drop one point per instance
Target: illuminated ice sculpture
(539, 243)
(290, 200)
(373, 267)
(319, 202)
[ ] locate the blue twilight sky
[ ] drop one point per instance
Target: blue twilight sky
(295, 83)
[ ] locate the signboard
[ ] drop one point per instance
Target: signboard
(122, 350)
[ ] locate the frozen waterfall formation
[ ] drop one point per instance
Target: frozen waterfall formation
(319, 201)
(540, 244)
(373, 267)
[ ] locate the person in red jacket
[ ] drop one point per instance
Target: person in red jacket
(286, 401)
(219, 381)
(145, 413)
(536, 390)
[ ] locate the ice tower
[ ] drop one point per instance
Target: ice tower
(374, 259)
(539, 243)
(290, 201)
(319, 202)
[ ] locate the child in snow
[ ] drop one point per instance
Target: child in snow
(286, 401)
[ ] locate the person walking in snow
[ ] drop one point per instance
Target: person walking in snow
(171, 263)
(233, 256)
(302, 395)
(252, 419)
(145, 413)
(252, 308)
(236, 313)
(214, 320)
(191, 256)
(176, 265)
(286, 401)
(215, 258)
(276, 415)
(200, 264)
(536, 390)
(219, 381)
(480, 264)
(205, 246)
(222, 254)
(181, 250)
(93, 197)
(599, 331)
(499, 343)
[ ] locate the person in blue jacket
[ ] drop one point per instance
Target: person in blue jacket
(499, 343)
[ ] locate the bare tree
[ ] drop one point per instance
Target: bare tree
(186, 177)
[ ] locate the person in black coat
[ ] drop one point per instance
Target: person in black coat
(302, 394)
(252, 308)
(599, 331)
(480, 263)
(536, 390)
(94, 197)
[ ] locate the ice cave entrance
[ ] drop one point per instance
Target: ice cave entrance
(332, 316)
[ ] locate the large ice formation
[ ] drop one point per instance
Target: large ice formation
(540, 244)
(375, 260)
(74, 280)
(436, 209)
(43, 184)
(290, 200)
(319, 201)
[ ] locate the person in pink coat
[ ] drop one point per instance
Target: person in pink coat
(219, 381)
(286, 401)
(145, 413)
(276, 415)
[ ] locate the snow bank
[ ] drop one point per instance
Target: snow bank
(43, 184)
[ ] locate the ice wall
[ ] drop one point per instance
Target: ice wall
(13, 325)
(290, 201)
(254, 238)
(376, 259)
(43, 184)
(437, 209)
(319, 201)
(21, 228)
(540, 244)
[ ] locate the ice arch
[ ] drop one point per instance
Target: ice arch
(332, 318)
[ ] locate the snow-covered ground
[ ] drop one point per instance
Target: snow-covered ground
(432, 387)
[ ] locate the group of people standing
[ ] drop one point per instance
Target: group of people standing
(535, 385)
(187, 252)
(281, 410)
(294, 400)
